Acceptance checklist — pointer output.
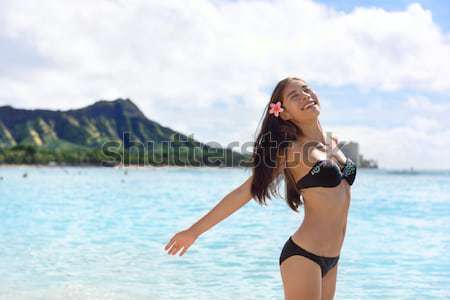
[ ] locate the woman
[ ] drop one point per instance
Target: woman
(293, 145)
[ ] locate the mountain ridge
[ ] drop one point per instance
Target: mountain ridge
(90, 125)
(31, 135)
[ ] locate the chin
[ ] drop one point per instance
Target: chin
(315, 112)
(315, 115)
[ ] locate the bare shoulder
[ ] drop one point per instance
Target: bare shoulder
(334, 143)
(337, 148)
(334, 137)
(294, 160)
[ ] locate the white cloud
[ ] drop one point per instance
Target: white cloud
(402, 146)
(189, 54)
(425, 105)
(202, 50)
(421, 140)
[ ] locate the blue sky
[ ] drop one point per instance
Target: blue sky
(380, 68)
(439, 8)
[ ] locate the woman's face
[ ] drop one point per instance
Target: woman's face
(300, 102)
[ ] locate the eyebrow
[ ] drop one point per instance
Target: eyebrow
(303, 86)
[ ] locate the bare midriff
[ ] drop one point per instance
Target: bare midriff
(323, 228)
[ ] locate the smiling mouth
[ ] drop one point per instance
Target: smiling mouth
(310, 104)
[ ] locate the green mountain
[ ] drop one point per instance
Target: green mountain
(88, 129)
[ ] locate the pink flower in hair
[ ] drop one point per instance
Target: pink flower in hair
(275, 108)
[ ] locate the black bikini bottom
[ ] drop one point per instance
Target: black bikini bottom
(291, 248)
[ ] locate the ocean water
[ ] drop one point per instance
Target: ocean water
(99, 233)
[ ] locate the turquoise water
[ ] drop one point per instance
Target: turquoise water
(98, 233)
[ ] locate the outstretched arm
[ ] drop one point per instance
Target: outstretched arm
(228, 205)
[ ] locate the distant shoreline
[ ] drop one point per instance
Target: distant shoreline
(403, 171)
(114, 167)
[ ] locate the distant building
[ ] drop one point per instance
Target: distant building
(367, 163)
(351, 150)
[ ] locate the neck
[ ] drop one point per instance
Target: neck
(313, 131)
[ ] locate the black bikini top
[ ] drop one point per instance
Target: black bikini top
(326, 173)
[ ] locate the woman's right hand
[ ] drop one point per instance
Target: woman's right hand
(183, 239)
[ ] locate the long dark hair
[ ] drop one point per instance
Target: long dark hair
(272, 142)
